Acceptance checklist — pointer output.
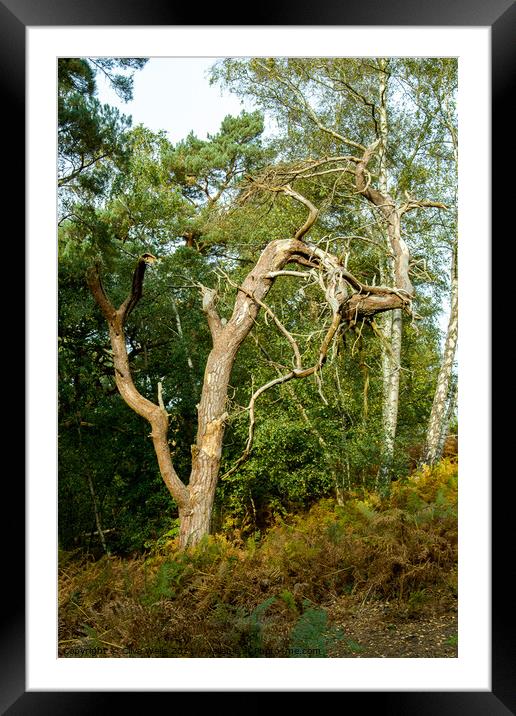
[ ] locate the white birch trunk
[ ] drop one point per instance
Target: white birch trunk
(392, 324)
(439, 413)
(391, 392)
(452, 404)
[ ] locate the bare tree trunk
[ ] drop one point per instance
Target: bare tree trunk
(452, 405)
(392, 324)
(391, 359)
(439, 412)
(97, 515)
(207, 451)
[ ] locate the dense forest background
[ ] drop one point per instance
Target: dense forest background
(173, 230)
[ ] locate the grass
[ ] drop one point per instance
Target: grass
(274, 596)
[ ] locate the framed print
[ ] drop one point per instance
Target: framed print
(34, 36)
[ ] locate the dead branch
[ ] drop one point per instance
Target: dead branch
(282, 329)
(412, 204)
(266, 184)
(312, 215)
(297, 372)
(155, 414)
(160, 397)
(137, 286)
(300, 274)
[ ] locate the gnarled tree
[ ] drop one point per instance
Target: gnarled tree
(349, 301)
(390, 105)
(352, 148)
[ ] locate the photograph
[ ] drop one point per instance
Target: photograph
(258, 355)
(257, 374)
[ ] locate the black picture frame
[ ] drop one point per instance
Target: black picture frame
(15, 17)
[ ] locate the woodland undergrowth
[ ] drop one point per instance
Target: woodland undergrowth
(272, 594)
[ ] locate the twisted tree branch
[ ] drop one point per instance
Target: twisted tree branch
(155, 414)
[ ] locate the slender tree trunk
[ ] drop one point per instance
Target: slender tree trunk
(391, 391)
(439, 413)
(452, 405)
(97, 514)
(392, 323)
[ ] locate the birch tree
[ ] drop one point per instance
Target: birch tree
(331, 105)
(445, 396)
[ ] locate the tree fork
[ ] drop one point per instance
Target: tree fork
(195, 500)
(156, 415)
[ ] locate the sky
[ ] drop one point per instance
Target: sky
(174, 94)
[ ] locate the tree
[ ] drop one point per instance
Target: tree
(331, 105)
(348, 298)
(90, 134)
(445, 396)
(163, 193)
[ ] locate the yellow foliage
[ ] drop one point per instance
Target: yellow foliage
(428, 483)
